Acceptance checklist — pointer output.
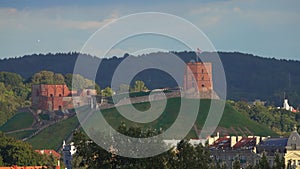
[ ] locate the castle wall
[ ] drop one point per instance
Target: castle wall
(51, 97)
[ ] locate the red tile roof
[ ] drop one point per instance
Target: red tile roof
(245, 143)
(49, 152)
(221, 143)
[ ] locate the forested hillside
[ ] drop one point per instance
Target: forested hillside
(248, 77)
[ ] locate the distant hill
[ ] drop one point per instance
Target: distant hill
(249, 77)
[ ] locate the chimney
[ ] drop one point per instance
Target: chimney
(257, 140)
(239, 138)
(232, 141)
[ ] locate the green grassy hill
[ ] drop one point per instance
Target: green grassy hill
(53, 136)
(19, 121)
(21, 134)
(232, 123)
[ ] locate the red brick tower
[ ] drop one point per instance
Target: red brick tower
(200, 75)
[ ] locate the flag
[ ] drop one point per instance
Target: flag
(199, 50)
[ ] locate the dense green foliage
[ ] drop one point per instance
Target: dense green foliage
(15, 92)
(139, 86)
(90, 155)
(76, 82)
(279, 120)
(13, 152)
(107, 92)
(47, 77)
(183, 156)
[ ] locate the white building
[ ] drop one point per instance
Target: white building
(68, 151)
(286, 106)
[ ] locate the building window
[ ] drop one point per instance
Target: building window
(299, 162)
(203, 85)
(59, 95)
(202, 77)
(202, 70)
(293, 146)
(60, 108)
(51, 95)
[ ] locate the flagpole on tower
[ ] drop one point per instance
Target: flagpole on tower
(198, 54)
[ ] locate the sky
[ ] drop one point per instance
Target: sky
(268, 28)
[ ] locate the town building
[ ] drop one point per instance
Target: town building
(226, 150)
(68, 151)
(292, 155)
(286, 106)
(58, 97)
(53, 153)
(30, 167)
(272, 147)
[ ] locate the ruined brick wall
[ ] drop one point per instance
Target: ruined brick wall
(54, 90)
(198, 74)
(50, 97)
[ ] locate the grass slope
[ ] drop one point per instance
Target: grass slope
(53, 136)
(231, 119)
(17, 122)
(21, 134)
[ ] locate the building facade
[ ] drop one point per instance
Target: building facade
(58, 97)
(198, 75)
(292, 155)
(226, 150)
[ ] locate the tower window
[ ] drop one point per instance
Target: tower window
(293, 146)
(203, 85)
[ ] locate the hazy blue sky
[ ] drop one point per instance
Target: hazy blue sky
(265, 28)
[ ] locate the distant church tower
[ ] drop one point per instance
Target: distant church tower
(200, 75)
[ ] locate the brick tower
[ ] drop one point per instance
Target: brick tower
(200, 75)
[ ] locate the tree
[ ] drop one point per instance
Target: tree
(139, 86)
(278, 162)
(58, 78)
(14, 152)
(11, 79)
(263, 163)
(236, 164)
(1, 161)
(47, 77)
(184, 155)
(107, 92)
(76, 82)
